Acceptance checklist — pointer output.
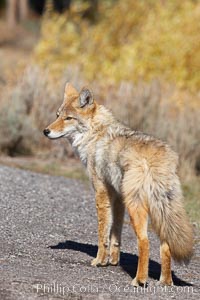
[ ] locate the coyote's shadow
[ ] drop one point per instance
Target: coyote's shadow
(128, 262)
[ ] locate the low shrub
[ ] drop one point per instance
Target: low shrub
(163, 111)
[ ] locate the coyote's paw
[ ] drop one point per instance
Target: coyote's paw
(98, 262)
(114, 260)
(137, 282)
(114, 256)
(165, 282)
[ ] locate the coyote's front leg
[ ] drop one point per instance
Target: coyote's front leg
(104, 213)
(116, 230)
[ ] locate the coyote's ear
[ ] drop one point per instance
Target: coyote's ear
(70, 90)
(85, 97)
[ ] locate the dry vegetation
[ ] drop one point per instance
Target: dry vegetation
(132, 40)
(32, 104)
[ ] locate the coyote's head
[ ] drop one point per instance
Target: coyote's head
(74, 114)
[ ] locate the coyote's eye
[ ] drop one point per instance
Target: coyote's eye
(68, 118)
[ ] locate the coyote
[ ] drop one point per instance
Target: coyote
(128, 169)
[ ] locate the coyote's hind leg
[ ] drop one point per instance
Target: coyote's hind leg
(139, 219)
(165, 255)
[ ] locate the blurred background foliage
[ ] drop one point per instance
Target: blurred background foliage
(127, 40)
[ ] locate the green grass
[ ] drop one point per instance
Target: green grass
(191, 192)
(55, 170)
(69, 169)
(74, 172)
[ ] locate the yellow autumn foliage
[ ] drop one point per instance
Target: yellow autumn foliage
(132, 40)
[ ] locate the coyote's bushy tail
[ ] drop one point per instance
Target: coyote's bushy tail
(170, 222)
(153, 183)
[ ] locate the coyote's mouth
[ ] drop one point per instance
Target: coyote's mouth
(52, 134)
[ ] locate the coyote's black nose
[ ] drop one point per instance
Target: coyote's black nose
(46, 131)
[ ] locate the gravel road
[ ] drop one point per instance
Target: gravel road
(49, 236)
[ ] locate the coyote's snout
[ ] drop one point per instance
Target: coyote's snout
(127, 169)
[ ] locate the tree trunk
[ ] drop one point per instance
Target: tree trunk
(23, 9)
(48, 7)
(12, 13)
(61, 5)
(92, 12)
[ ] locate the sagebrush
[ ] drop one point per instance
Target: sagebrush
(152, 108)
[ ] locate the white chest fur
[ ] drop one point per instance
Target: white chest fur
(80, 146)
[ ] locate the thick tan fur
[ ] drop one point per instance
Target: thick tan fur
(127, 169)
